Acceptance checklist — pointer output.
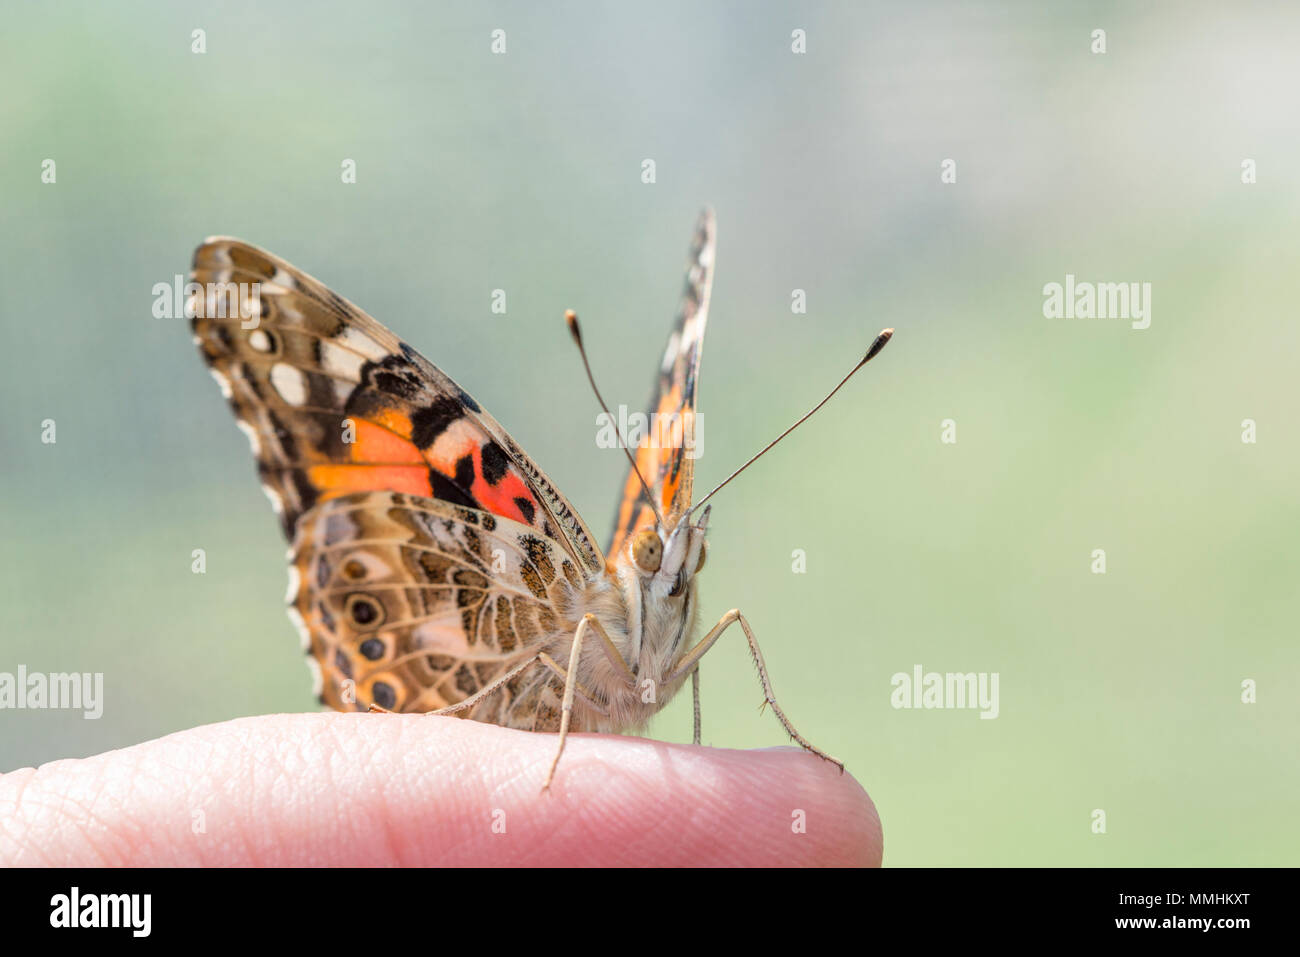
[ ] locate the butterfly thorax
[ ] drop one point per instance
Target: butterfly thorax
(649, 614)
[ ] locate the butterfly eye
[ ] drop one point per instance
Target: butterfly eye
(704, 550)
(647, 550)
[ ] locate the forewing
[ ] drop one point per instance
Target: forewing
(334, 403)
(665, 454)
(414, 605)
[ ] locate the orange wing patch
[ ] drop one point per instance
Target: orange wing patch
(334, 480)
(334, 404)
(666, 454)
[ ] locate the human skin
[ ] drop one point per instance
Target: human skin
(407, 790)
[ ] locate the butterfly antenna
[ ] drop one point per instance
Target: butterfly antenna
(879, 343)
(571, 318)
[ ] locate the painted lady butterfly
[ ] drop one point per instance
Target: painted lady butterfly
(434, 567)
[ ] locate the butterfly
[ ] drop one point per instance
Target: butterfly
(433, 566)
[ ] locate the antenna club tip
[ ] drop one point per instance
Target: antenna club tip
(571, 320)
(879, 343)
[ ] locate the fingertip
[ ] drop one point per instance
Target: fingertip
(384, 790)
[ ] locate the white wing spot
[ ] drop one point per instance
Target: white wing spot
(670, 353)
(317, 679)
(222, 382)
(280, 283)
(341, 363)
(254, 440)
(259, 340)
(304, 636)
(358, 341)
(277, 503)
(290, 382)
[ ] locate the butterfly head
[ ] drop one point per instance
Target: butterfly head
(667, 559)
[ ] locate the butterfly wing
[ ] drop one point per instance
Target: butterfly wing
(334, 403)
(665, 454)
(429, 552)
(414, 604)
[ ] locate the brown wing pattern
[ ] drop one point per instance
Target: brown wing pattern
(414, 605)
(665, 453)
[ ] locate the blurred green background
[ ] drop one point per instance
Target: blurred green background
(522, 172)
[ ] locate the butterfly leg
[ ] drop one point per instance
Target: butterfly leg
(691, 659)
(610, 649)
(695, 695)
(571, 682)
(581, 694)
